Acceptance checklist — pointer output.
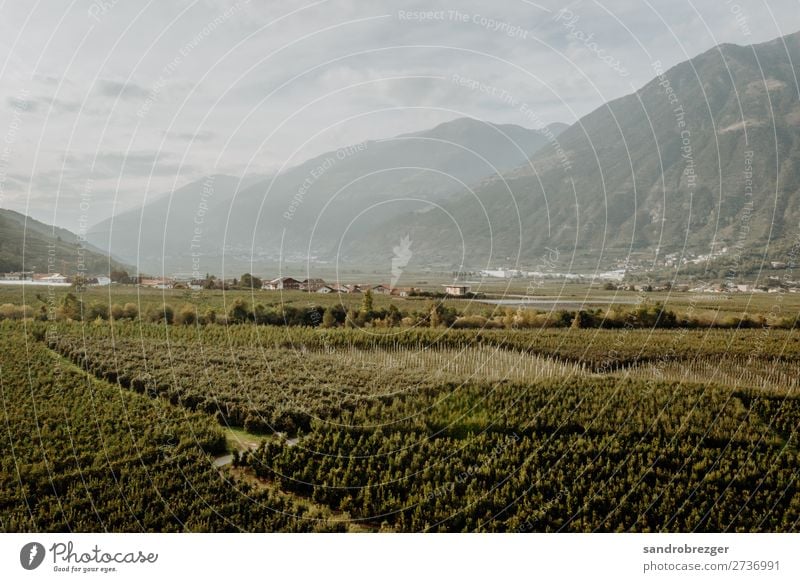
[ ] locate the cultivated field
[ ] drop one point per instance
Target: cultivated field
(300, 428)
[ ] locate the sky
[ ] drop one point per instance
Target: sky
(106, 104)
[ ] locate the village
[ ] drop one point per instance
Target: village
(246, 281)
(611, 281)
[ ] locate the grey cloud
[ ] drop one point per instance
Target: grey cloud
(46, 79)
(200, 136)
(108, 165)
(22, 104)
(126, 90)
(61, 105)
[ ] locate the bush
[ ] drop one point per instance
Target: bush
(470, 322)
(187, 315)
(11, 311)
(97, 311)
(163, 314)
(239, 311)
(130, 311)
(117, 312)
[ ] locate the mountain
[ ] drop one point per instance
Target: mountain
(704, 157)
(315, 206)
(27, 244)
(164, 230)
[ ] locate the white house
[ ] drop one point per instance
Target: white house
(281, 283)
(52, 279)
(18, 276)
(311, 285)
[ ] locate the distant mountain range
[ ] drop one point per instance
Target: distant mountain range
(704, 157)
(30, 245)
(336, 196)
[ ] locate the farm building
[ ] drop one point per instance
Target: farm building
(156, 283)
(98, 281)
(404, 291)
(54, 278)
(282, 284)
(312, 285)
(456, 290)
(18, 276)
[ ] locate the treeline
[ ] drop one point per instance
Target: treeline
(435, 314)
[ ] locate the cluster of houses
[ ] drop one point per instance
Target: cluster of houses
(285, 284)
(773, 285)
(166, 283)
(57, 279)
(309, 286)
(320, 286)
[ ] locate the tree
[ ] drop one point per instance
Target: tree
(260, 314)
(163, 314)
(440, 315)
(314, 316)
(394, 316)
(117, 312)
(367, 303)
(97, 311)
(119, 276)
(436, 316)
(239, 311)
(130, 311)
(187, 315)
(71, 307)
(328, 319)
(581, 320)
(248, 281)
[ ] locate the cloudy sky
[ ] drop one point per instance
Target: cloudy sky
(106, 104)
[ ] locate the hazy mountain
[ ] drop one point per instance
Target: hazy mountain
(701, 157)
(27, 244)
(164, 230)
(664, 168)
(317, 204)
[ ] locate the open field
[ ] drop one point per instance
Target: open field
(711, 308)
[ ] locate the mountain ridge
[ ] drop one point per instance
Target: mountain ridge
(632, 192)
(29, 244)
(380, 175)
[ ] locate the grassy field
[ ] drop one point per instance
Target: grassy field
(568, 296)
